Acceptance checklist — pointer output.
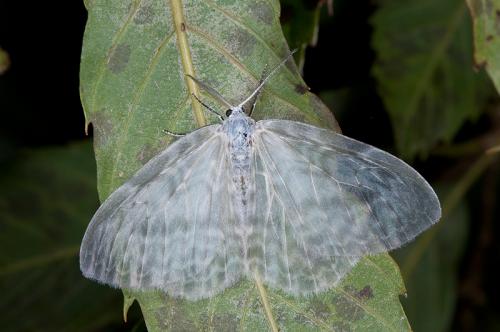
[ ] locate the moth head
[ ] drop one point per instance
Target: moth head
(234, 111)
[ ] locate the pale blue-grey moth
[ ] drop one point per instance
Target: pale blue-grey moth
(294, 204)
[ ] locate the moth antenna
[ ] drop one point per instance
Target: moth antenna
(211, 91)
(271, 73)
(253, 101)
(221, 118)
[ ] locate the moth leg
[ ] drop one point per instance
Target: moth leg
(170, 133)
(209, 108)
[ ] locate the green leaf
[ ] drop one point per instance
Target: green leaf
(46, 200)
(424, 71)
(486, 22)
(430, 264)
(135, 58)
(367, 300)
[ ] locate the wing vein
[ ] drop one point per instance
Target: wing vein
(138, 191)
(145, 244)
(304, 247)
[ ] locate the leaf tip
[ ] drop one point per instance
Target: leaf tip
(128, 300)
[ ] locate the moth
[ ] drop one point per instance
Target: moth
(295, 205)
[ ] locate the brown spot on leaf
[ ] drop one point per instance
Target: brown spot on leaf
(262, 11)
(348, 308)
(183, 27)
(497, 21)
(144, 15)
(364, 294)
(119, 58)
(489, 38)
(480, 65)
(102, 127)
(301, 89)
(241, 43)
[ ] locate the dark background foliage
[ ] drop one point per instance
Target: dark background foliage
(47, 171)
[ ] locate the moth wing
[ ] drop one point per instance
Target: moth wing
(169, 226)
(325, 200)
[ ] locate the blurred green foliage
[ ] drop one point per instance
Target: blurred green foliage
(424, 71)
(4, 61)
(431, 278)
(300, 23)
(46, 199)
